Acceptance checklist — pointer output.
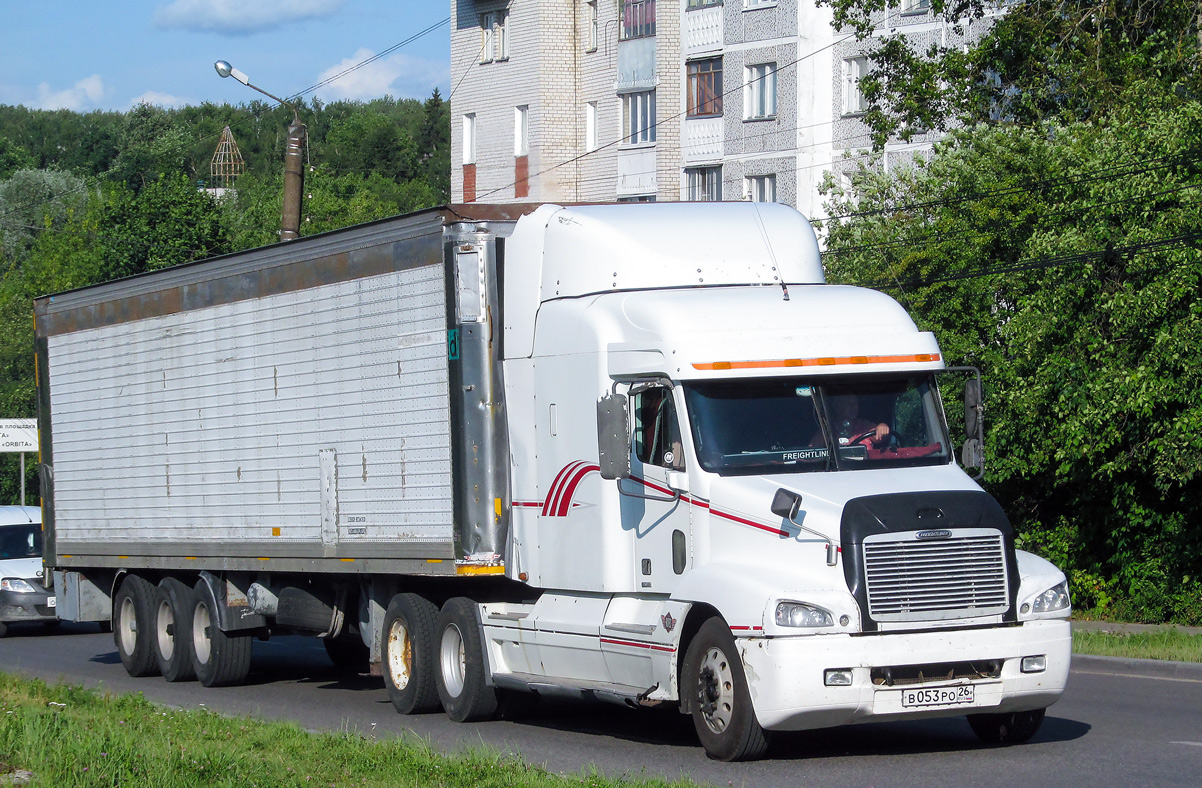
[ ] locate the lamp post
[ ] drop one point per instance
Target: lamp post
(294, 170)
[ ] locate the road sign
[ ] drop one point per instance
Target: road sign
(18, 435)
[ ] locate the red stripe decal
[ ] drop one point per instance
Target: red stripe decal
(557, 487)
(746, 629)
(743, 521)
(570, 488)
(636, 644)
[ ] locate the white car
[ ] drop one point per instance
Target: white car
(23, 593)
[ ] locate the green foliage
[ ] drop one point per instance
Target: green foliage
(1066, 59)
(32, 203)
(1065, 260)
(1169, 643)
(168, 222)
(12, 158)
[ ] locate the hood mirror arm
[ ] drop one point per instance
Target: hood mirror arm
(787, 504)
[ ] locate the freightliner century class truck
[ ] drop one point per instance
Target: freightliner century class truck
(632, 452)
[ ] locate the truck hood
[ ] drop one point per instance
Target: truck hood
(824, 495)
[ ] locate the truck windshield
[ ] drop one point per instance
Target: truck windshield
(787, 425)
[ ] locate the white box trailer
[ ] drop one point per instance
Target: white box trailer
(632, 452)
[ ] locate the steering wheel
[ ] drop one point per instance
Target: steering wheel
(862, 437)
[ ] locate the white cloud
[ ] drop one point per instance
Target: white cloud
(398, 75)
(165, 100)
(84, 94)
(238, 17)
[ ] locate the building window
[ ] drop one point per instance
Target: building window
(915, 6)
(469, 138)
(592, 35)
(758, 3)
(854, 68)
(638, 117)
(703, 3)
(704, 85)
(638, 18)
(494, 38)
(760, 188)
(590, 126)
(704, 183)
(638, 198)
(759, 91)
(521, 130)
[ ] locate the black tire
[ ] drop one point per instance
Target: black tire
(220, 659)
(716, 689)
(408, 654)
(51, 625)
(348, 653)
(133, 627)
(462, 685)
(1013, 727)
(3, 629)
(173, 603)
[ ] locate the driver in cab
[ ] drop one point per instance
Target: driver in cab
(850, 427)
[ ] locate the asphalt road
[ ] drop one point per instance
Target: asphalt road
(1121, 723)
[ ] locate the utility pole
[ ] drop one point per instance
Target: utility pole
(294, 167)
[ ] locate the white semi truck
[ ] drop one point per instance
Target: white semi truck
(631, 452)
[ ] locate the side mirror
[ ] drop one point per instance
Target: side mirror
(972, 409)
(613, 436)
(786, 504)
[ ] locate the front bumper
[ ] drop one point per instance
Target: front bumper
(16, 607)
(785, 675)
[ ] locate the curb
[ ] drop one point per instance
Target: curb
(1148, 668)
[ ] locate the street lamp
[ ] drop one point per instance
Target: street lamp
(294, 170)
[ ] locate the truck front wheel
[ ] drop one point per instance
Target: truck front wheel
(220, 660)
(716, 690)
(133, 626)
(409, 654)
(173, 629)
(1014, 727)
(462, 684)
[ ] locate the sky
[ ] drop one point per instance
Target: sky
(85, 55)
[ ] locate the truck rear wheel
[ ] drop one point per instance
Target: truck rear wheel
(133, 626)
(462, 684)
(220, 659)
(716, 688)
(1014, 727)
(173, 629)
(409, 654)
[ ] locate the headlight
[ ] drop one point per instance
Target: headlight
(1051, 600)
(799, 614)
(16, 585)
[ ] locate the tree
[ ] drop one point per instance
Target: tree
(1042, 59)
(1065, 260)
(151, 145)
(12, 158)
(168, 222)
(33, 202)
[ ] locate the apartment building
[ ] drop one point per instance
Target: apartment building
(627, 100)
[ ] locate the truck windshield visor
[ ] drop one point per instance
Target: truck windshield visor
(779, 425)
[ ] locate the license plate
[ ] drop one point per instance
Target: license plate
(52, 602)
(938, 696)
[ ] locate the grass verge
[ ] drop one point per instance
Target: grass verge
(66, 736)
(1167, 644)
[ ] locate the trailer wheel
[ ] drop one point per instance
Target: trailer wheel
(220, 659)
(133, 626)
(1014, 727)
(173, 603)
(462, 685)
(409, 654)
(716, 686)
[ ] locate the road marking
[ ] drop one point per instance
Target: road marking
(1188, 743)
(1133, 676)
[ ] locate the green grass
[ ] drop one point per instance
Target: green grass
(1169, 644)
(68, 736)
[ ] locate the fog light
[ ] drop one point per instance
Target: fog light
(1035, 664)
(838, 677)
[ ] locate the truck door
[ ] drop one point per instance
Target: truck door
(654, 504)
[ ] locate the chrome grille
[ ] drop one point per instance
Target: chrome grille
(935, 580)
